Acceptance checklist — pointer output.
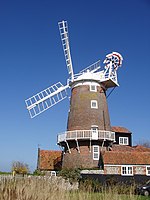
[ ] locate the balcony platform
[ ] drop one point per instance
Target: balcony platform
(85, 135)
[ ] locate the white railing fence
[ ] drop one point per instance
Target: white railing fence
(85, 134)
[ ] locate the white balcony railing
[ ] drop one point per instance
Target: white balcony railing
(86, 135)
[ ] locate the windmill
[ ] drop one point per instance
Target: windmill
(88, 127)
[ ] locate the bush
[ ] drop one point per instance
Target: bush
(72, 174)
(38, 173)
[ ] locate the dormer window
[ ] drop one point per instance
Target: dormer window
(93, 88)
(123, 140)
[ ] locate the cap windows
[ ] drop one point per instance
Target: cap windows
(93, 88)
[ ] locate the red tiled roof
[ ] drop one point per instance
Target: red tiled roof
(124, 148)
(128, 157)
(120, 129)
(48, 159)
(121, 155)
(140, 148)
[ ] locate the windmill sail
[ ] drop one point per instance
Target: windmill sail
(46, 99)
(63, 27)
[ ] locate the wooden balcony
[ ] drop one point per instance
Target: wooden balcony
(86, 135)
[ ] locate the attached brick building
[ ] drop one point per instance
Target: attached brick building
(122, 135)
(122, 164)
(49, 160)
(127, 161)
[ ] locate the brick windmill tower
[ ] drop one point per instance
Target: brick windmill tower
(88, 128)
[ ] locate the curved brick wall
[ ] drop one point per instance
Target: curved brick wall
(81, 115)
(84, 159)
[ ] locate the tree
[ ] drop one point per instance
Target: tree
(20, 168)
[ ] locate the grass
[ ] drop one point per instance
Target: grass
(35, 188)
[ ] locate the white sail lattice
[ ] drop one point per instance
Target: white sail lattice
(46, 99)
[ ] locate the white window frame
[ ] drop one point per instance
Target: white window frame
(125, 141)
(148, 170)
(128, 169)
(95, 152)
(93, 89)
(94, 102)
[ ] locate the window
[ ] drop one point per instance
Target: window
(94, 104)
(95, 152)
(123, 140)
(93, 88)
(148, 170)
(127, 170)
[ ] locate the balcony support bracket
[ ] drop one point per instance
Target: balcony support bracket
(68, 146)
(90, 145)
(77, 146)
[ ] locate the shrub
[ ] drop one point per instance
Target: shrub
(72, 174)
(38, 173)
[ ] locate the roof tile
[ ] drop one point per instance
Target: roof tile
(48, 159)
(126, 158)
(121, 155)
(120, 129)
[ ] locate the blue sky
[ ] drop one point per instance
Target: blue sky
(31, 59)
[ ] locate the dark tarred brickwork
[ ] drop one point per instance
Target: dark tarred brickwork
(81, 115)
(84, 159)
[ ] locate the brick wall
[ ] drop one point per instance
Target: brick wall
(137, 170)
(84, 159)
(81, 115)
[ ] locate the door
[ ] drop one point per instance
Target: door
(94, 133)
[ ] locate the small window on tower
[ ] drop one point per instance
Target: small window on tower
(94, 104)
(93, 88)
